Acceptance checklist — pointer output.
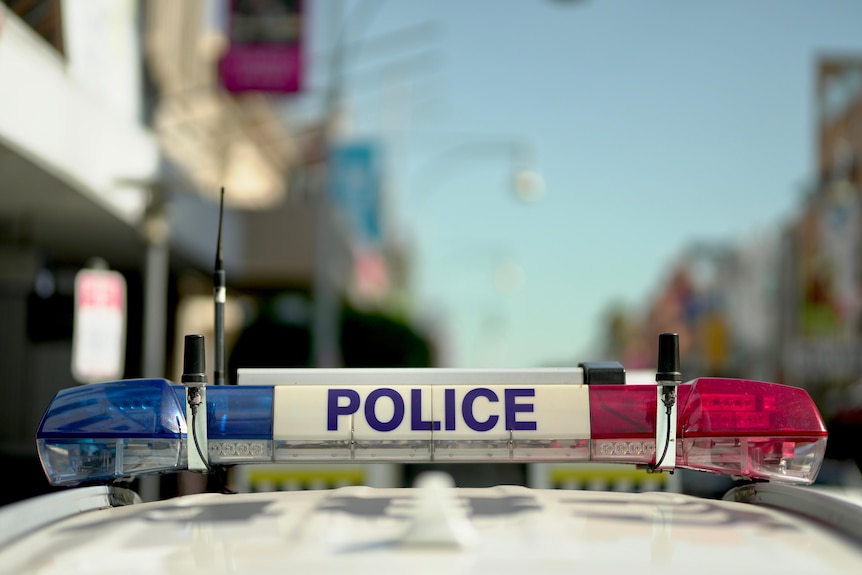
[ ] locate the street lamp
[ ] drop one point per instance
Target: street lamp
(525, 180)
(529, 184)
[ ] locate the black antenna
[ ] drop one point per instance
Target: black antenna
(219, 295)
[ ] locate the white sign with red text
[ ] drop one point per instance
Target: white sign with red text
(99, 337)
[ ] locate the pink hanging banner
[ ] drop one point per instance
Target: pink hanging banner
(265, 52)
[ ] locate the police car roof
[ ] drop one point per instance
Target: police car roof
(513, 530)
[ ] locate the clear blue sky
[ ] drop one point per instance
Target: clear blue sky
(654, 124)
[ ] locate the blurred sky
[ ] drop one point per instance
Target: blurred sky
(654, 124)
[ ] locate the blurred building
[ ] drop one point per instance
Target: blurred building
(783, 306)
(122, 120)
(720, 299)
(839, 124)
(821, 327)
(822, 312)
(72, 144)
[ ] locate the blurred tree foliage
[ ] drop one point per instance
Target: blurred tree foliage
(368, 339)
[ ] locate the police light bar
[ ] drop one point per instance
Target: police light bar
(118, 430)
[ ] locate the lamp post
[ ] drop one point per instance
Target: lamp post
(526, 181)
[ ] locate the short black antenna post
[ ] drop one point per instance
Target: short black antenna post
(219, 295)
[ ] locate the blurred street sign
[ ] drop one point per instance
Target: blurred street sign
(99, 336)
(354, 189)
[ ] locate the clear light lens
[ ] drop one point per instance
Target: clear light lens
(555, 450)
(226, 451)
(313, 451)
(441, 451)
(472, 450)
(111, 430)
(396, 450)
(771, 458)
(69, 462)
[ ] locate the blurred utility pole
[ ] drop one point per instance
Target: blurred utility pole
(346, 23)
(326, 314)
(526, 181)
(325, 332)
(156, 232)
(156, 267)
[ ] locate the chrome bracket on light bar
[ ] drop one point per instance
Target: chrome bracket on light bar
(665, 428)
(667, 379)
(194, 378)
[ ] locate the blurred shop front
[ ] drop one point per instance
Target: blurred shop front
(783, 304)
(821, 315)
(71, 141)
(123, 121)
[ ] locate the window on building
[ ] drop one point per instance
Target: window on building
(43, 16)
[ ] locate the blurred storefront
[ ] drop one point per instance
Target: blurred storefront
(71, 141)
(785, 305)
(821, 328)
(720, 299)
(821, 316)
(120, 127)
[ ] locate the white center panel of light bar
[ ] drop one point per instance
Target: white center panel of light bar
(425, 422)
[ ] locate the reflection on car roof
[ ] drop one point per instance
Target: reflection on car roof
(362, 528)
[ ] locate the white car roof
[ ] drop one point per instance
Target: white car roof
(362, 529)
